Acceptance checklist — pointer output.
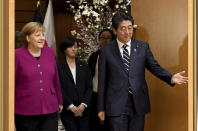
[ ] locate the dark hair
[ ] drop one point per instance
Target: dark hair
(18, 40)
(110, 31)
(67, 41)
(119, 17)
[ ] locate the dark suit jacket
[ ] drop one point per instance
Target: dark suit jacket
(92, 62)
(114, 82)
(79, 92)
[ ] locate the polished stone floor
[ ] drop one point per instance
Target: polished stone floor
(60, 126)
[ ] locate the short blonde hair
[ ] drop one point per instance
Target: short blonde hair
(30, 28)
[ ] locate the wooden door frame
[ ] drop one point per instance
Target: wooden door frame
(192, 70)
(1, 65)
(7, 27)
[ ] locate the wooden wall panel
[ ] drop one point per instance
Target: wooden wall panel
(29, 5)
(63, 26)
(24, 16)
(164, 25)
(25, 10)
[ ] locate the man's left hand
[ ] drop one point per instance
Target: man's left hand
(178, 78)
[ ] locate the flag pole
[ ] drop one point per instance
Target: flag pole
(38, 3)
(37, 15)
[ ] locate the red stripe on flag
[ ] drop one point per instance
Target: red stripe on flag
(45, 44)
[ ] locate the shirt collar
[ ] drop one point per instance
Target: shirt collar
(120, 44)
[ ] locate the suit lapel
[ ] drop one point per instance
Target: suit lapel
(67, 70)
(133, 54)
(117, 54)
(77, 71)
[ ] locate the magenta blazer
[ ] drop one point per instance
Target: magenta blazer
(37, 85)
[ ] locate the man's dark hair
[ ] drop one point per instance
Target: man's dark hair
(67, 41)
(119, 17)
(110, 31)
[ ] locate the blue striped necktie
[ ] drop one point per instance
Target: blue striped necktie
(126, 58)
(126, 62)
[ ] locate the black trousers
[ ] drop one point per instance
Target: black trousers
(129, 120)
(73, 123)
(48, 122)
(96, 124)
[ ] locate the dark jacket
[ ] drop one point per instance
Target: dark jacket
(92, 62)
(75, 93)
(114, 82)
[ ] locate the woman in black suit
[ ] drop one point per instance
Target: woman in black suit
(76, 87)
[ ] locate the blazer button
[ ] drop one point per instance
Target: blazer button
(41, 89)
(41, 81)
(39, 65)
(41, 73)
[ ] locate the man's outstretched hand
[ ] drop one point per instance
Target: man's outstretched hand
(179, 78)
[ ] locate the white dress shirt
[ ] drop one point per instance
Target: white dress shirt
(120, 45)
(73, 71)
(95, 78)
